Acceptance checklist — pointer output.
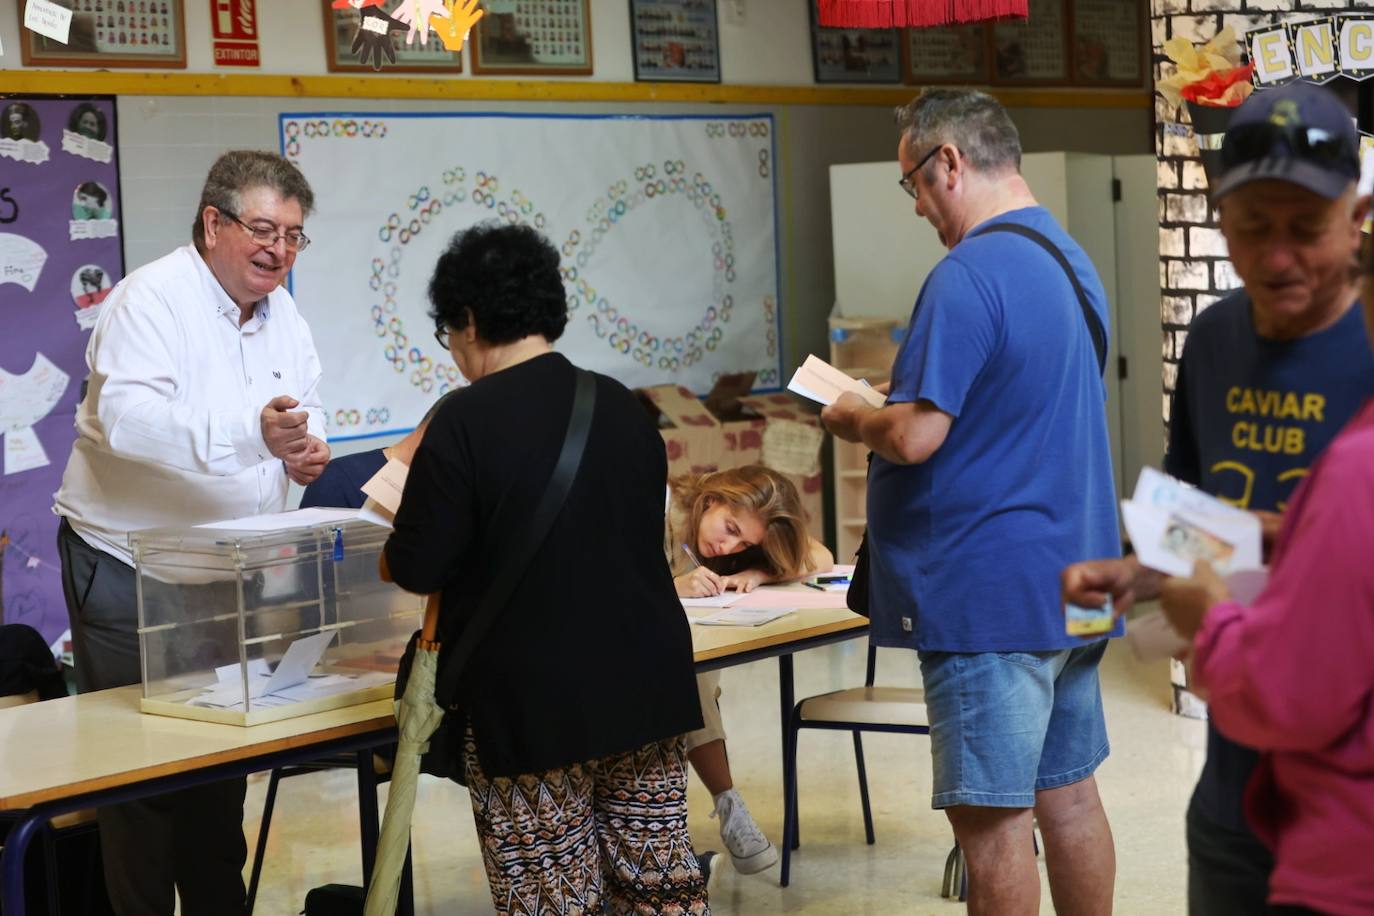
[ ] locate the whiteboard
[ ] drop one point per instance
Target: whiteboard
(666, 227)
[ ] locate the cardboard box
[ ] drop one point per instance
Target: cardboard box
(768, 429)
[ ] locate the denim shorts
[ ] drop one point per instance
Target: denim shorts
(1004, 725)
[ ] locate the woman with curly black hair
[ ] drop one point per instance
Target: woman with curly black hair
(578, 697)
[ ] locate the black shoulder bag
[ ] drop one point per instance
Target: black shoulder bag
(445, 755)
(857, 597)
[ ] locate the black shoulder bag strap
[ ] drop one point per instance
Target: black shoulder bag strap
(517, 559)
(1094, 324)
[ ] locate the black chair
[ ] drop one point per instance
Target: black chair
(372, 769)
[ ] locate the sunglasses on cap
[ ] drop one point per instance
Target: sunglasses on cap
(1264, 140)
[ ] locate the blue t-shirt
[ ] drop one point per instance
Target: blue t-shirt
(1249, 417)
(340, 486)
(966, 548)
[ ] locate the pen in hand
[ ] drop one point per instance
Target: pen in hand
(696, 564)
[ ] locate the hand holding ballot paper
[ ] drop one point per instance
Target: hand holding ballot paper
(1172, 526)
(823, 383)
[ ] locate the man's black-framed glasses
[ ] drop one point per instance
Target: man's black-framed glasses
(267, 236)
(441, 335)
(908, 181)
(1264, 139)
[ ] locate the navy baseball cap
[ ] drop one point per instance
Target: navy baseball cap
(1298, 133)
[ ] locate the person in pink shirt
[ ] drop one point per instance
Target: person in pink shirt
(1293, 675)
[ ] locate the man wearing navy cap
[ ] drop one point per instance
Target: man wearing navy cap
(1269, 375)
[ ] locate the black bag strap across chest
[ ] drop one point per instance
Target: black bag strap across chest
(517, 557)
(1099, 335)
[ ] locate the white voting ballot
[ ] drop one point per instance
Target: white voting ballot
(823, 383)
(1173, 525)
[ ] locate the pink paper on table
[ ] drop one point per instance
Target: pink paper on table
(790, 598)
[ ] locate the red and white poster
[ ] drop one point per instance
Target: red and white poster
(234, 26)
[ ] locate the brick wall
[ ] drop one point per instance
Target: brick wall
(1193, 269)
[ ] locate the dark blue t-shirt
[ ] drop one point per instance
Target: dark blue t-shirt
(341, 484)
(1249, 416)
(966, 549)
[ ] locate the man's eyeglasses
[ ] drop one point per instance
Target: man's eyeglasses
(267, 236)
(441, 335)
(908, 181)
(1262, 140)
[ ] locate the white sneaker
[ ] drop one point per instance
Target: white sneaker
(750, 850)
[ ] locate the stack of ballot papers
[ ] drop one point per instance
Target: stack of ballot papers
(1172, 526)
(823, 383)
(740, 617)
(290, 682)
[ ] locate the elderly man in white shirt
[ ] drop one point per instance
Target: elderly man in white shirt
(202, 402)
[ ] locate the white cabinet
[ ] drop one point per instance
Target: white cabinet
(883, 252)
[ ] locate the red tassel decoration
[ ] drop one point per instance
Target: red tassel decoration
(896, 14)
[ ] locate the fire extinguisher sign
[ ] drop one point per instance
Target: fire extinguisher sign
(234, 24)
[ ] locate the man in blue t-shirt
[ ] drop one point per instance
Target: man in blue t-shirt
(991, 471)
(341, 484)
(1269, 375)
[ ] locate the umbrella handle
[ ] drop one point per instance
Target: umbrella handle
(429, 630)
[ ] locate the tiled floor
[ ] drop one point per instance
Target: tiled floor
(1145, 785)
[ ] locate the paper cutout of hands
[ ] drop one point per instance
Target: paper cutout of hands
(416, 14)
(354, 4)
(374, 37)
(453, 28)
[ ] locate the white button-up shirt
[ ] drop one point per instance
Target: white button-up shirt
(170, 432)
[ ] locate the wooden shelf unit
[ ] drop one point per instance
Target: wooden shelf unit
(864, 348)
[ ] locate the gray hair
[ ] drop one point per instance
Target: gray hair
(971, 120)
(238, 171)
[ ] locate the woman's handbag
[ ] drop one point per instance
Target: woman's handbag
(445, 755)
(857, 596)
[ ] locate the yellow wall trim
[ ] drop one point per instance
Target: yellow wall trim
(78, 82)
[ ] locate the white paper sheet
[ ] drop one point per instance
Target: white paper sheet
(374, 512)
(823, 383)
(741, 617)
(21, 259)
(724, 599)
(48, 18)
(386, 485)
(23, 451)
(1172, 526)
(285, 521)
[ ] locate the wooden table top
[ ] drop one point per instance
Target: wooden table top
(101, 740)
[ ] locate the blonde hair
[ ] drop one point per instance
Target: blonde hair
(786, 545)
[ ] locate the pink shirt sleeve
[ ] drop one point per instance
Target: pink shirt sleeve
(1293, 672)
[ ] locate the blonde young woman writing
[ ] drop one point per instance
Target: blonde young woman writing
(734, 529)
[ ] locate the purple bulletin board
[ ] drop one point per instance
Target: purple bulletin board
(60, 253)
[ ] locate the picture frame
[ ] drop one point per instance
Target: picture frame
(341, 25)
(952, 54)
(1034, 51)
(533, 38)
(1108, 46)
(112, 33)
(855, 55)
(675, 41)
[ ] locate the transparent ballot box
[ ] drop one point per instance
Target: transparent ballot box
(262, 619)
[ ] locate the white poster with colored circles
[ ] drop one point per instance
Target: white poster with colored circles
(666, 227)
